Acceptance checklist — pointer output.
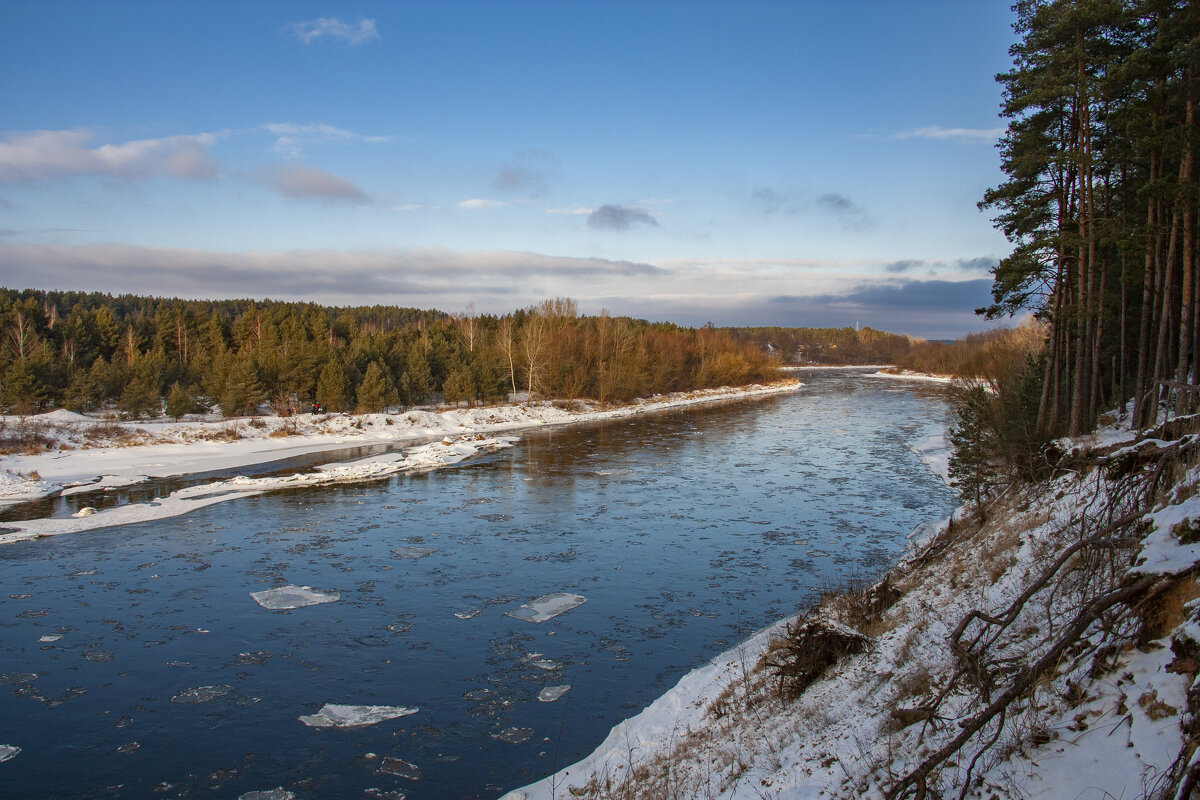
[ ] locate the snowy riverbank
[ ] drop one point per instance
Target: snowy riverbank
(1105, 722)
(87, 454)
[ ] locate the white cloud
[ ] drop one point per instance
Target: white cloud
(308, 183)
(953, 134)
(291, 137)
(577, 211)
(333, 28)
(479, 202)
(46, 155)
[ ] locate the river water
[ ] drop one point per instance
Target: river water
(685, 531)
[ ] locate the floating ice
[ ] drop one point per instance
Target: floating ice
(50, 637)
(333, 715)
(86, 511)
(552, 693)
(99, 656)
(126, 749)
(547, 606)
(418, 551)
(513, 735)
(288, 597)
(279, 793)
(201, 694)
(468, 614)
(400, 768)
(8, 751)
(17, 678)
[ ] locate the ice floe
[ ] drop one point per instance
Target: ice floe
(8, 751)
(513, 735)
(269, 794)
(400, 768)
(333, 715)
(547, 606)
(552, 693)
(414, 552)
(201, 694)
(284, 598)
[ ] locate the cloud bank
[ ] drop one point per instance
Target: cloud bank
(50, 155)
(795, 292)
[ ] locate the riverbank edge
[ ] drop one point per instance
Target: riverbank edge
(723, 731)
(181, 449)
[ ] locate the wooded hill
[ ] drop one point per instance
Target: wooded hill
(89, 351)
(1101, 200)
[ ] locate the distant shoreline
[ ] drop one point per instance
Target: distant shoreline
(163, 449)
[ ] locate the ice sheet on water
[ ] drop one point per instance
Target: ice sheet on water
(288, 597)
(8, 751)
(50, 637)
(17, 678)
(400, 768)
(514, 735)
(333, 715)
(279, 793)
(547, 606)
(552, 693)
(417, 551)
(201, 694)
(468, 614)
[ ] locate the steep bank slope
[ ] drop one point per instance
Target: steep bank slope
(1047, 647)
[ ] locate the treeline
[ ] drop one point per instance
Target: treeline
(977, 355)
(140, 354)
(832, 346)
(1100, 202)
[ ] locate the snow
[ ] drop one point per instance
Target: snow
(934, 452)
(333, 715)
(94, 454)
(906, 375)
(289, 597)
(548, 606)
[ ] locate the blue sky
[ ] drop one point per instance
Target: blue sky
(797, 163)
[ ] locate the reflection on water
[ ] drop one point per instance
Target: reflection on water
(158, 675)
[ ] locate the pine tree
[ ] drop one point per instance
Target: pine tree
(376, 392)
(331, 387)
(242, 393)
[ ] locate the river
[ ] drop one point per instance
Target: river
(685, 531)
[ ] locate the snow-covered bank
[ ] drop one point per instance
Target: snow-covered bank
(1104, 717)
(89, 454)
(907, 375)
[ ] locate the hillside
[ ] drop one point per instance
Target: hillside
(1045, 646)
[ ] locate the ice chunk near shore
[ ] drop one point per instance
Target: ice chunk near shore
(333, 715)
(934, 452)
(288, 597)
(547, 606)
(8, 751)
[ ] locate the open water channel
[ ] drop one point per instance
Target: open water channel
(134, 663)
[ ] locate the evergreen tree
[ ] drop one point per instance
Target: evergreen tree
(376, 392)
(331, 387)
(242, 393)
